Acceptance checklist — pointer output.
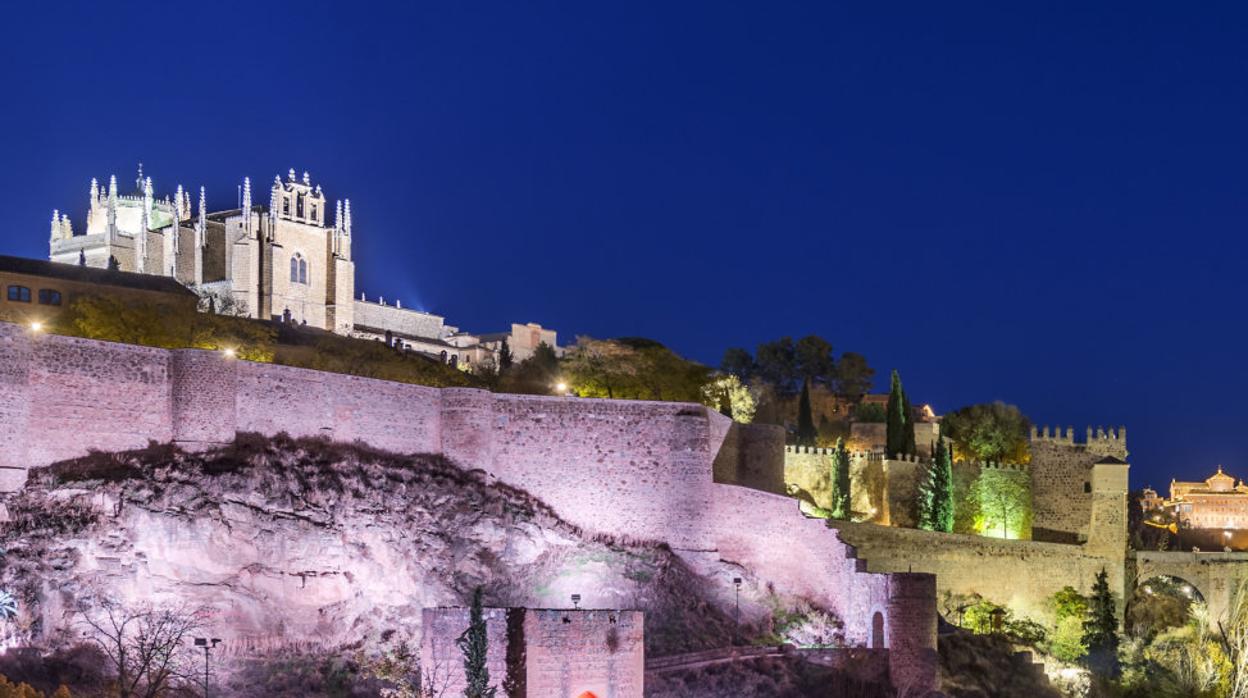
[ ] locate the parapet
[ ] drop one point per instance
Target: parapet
(1107, 440)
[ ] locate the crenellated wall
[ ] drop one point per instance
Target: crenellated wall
(642, 470)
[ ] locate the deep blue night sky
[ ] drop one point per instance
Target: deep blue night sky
(1044, 205)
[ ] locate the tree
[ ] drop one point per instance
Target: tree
(806, 432)
(474, 643)
(1003, 500)
(1100, 630)
(738, 362)
(813, 360)
(777, 364)
(536, 375)
(841, 495)
(853, 377)
(146, 646)
(726, 393)
(936, 492)
(505, 359)
(989, 432)
(896, 440)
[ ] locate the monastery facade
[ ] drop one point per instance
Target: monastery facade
(286, 261)
(1218, 502)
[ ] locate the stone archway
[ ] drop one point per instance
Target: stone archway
(1216, 576)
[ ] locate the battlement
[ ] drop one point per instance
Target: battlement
(854, 455)
(1098, 435)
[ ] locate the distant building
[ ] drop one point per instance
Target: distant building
(35, 291)
(286, 261)
(1218, 502)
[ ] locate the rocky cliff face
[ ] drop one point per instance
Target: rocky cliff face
(306, 548)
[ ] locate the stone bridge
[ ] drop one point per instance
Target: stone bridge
(1216, 575)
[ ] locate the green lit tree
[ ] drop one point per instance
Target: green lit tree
(936, 492)
(1003, 499)
(1100, 630)
(899, 433)
(474, 644)
(806, 432)
(841, 500)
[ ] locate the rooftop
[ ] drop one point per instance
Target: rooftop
(92, 275)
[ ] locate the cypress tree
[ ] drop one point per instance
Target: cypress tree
(1100, 629)
(725, 404)
(505, 359)
(898, 420)
(806, 433)
(942, 489)
(840, 482)
(935, 495)
(907, 434)
(474, 644)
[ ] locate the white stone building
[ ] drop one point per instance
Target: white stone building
(285, 261)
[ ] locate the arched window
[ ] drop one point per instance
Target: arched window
(443, 356)
(298, 270)
(877, 630)
(299, 206)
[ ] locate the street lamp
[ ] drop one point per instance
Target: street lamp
(208, 645)
(576, 601)
(736, 614)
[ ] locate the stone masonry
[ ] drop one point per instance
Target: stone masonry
(642, 470)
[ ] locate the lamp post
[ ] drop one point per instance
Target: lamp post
(576, 601)
(208, 645)
(736, 613)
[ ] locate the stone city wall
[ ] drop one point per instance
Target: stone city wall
(1061, 478)
(642, 470)
(1017, 573)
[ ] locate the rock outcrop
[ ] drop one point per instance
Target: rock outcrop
(311, 548)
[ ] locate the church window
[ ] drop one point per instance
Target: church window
(19, 294)
(313, 216)
(299, 206)
(48, 296)
(285, 205)
(298, 270)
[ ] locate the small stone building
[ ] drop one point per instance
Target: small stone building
(545, 653)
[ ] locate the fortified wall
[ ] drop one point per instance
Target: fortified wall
(638, 469)
(1079, 519)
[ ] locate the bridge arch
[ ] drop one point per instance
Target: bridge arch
(1215, 575)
